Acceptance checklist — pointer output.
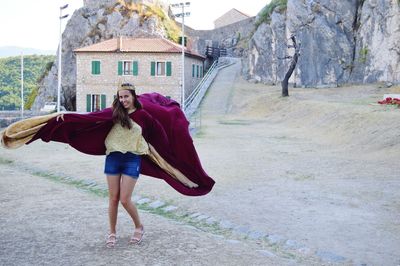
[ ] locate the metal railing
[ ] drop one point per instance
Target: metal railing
(194, 99)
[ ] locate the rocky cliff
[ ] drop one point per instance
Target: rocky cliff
(98, 21)
(355, 41)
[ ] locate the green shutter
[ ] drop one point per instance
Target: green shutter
(201, 71)
(153, 68)
(119, 68)
(93, 67)
(97, 67)
(103, 101)
(184, 41)
(88, 103)
(135, 68)
(193, 70)
(197, 71)
(169, 68)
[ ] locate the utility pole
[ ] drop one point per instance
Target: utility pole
(22, 84)
(59, 59)
(182, 15)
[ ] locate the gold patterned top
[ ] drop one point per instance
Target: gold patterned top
(126, 140)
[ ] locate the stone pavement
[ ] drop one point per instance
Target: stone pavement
(45, 222)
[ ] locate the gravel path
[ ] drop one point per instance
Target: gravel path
(48, 223)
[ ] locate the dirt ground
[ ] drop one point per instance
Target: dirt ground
(317, 171)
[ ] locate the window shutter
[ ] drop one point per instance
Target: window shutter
(88, 103)
(135, 68)
(97, 67)
(201, 71)
(193, 70)
(103, 101)
(93, 67)
(153, 68)
(197, 71)
(169, 70)
(119, 68)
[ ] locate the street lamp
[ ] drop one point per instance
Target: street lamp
(22, 84)
(182, 15)
(59, 58)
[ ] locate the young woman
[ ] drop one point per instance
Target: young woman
(124, 145)
(152, 139)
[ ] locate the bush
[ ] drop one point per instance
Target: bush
(265, 14)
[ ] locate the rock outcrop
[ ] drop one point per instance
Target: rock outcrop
(341, 42)
(96, 21)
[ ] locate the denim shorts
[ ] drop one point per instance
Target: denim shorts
(123, 163)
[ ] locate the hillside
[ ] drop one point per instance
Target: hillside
(35, 66)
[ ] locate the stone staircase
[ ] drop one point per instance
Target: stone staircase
(195, 98)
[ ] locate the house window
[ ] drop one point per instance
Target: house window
(95, 102)
(161, 68)
(95, 67)
(127, 67)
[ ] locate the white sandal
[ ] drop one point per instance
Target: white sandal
(137, 236)
(111, 240)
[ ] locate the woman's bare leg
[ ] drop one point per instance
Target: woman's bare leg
(113, 200)
(127, 186)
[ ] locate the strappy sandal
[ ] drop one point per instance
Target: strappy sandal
(111, 240)
(137, 236)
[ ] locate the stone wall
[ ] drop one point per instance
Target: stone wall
(108, 79)
(226, 37)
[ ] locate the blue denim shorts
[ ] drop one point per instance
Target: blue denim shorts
(123, 163)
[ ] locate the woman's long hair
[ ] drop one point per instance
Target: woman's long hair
(120, 114)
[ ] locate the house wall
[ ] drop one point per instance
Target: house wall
(108, 79)
(230, 17)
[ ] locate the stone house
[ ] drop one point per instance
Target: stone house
(151, 64)
(230, 17)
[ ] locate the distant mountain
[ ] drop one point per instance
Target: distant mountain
(7, 51)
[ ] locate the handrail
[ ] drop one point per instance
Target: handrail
(196, 90)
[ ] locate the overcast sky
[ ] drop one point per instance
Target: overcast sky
(35, 23)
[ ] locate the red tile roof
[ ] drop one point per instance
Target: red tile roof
(137, 45)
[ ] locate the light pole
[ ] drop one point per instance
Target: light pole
(22, 84)
(59, 58)
(182, 15)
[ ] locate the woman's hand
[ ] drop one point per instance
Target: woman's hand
(60, 116)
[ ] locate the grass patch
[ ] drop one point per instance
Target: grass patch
(5, 161)
(265, 14)
(235, 122)
(304, 177)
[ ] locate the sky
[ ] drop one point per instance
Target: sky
(35, 23)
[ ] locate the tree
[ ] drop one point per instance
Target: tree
(295, 57)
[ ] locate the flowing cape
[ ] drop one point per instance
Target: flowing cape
(167, 130)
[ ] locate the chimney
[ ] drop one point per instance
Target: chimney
(119, 43)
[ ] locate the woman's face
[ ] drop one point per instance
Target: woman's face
(126, 99)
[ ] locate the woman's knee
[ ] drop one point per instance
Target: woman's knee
(125, 200)
(114, 199)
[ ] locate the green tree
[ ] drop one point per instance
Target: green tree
(35, 68)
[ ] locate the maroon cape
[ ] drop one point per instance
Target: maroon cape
(167, 132)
